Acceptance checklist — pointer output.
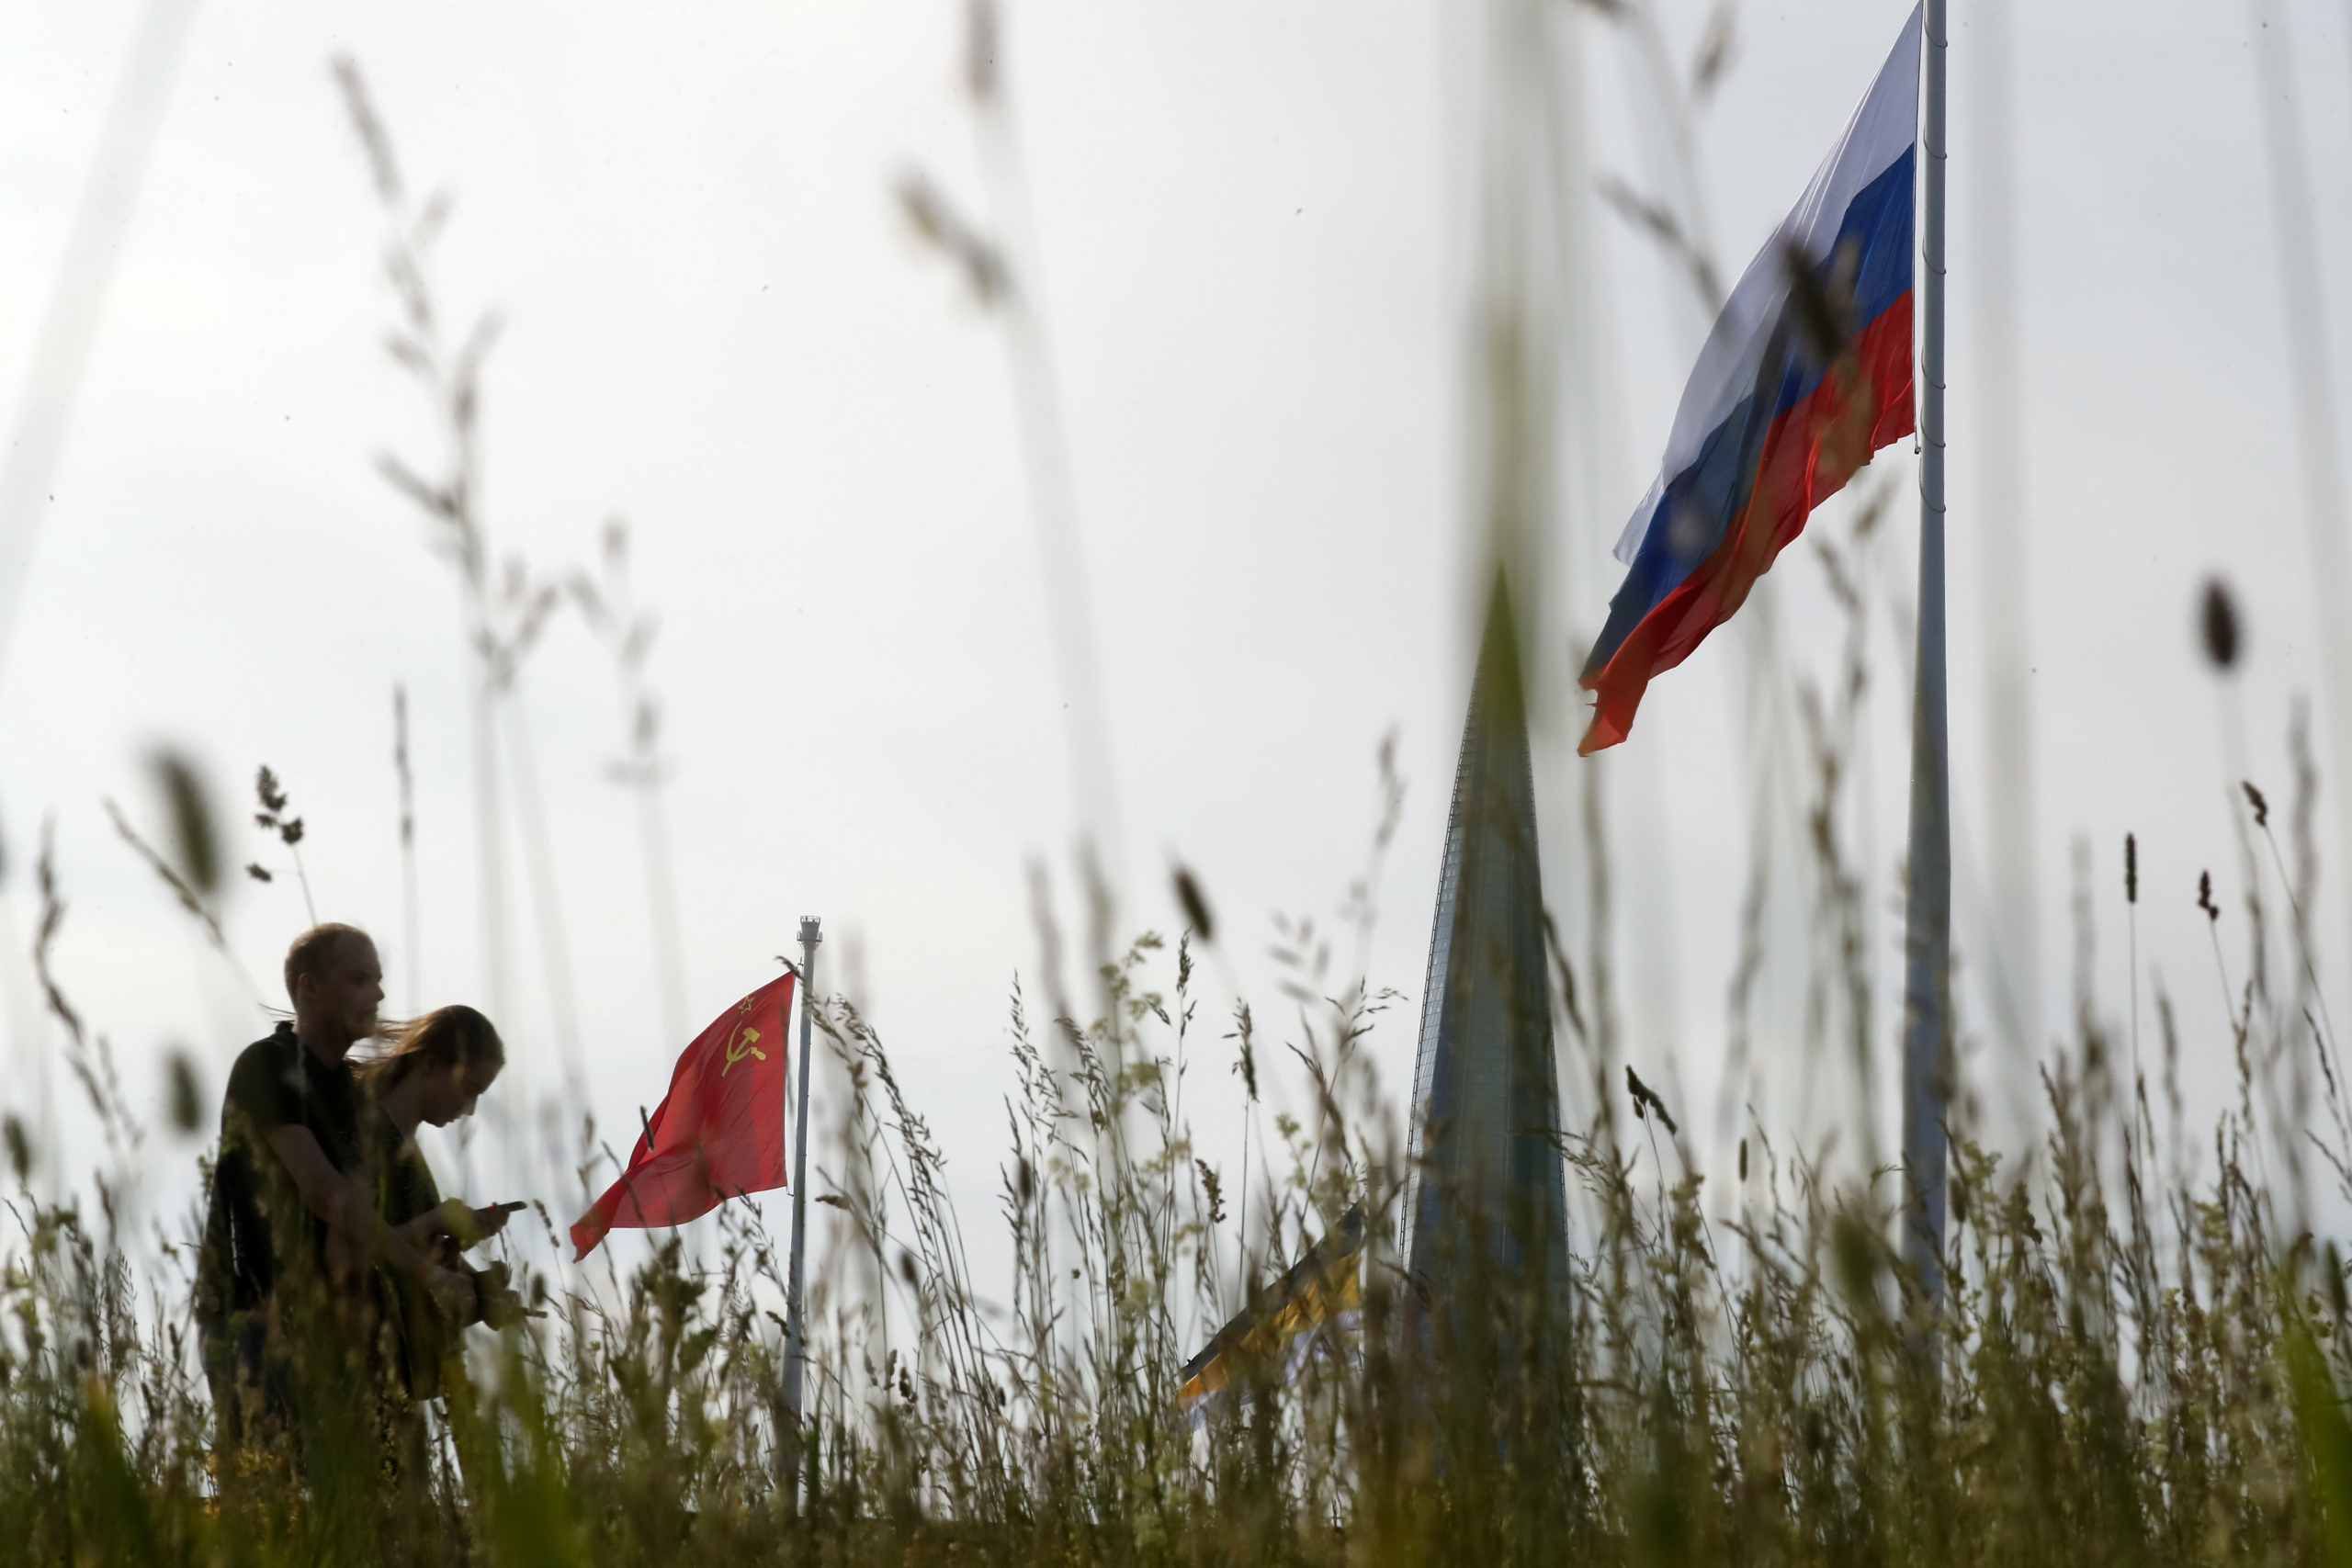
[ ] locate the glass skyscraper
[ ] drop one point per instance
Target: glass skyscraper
(1486, 1158)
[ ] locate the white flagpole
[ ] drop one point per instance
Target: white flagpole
(794, 1328)
(1927, 940)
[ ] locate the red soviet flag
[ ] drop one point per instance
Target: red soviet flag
(719, 1132)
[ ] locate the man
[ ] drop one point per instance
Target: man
(290, 1233)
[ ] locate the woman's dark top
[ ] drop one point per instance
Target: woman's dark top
(421, 1333)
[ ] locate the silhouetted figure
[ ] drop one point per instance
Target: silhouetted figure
(291, 1238)
(441, 1065)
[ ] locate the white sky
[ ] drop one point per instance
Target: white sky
(1253, 224)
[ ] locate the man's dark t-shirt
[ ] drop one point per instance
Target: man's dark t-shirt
(259, 1230)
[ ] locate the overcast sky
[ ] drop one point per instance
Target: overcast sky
(1252, 241)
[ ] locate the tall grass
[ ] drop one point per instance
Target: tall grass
(2132, 1364)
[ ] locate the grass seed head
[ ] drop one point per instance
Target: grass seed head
(20, 1149)
(1195, 906)
(2217, 621)
(188, 804)
(186, 1095)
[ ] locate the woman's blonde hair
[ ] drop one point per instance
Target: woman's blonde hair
(456, 1037)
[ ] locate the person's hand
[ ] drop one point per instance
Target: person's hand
(346, 1259)
(451, 1292)
(501, 1305)
(469, 1227)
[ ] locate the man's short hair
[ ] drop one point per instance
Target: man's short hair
(313, 949)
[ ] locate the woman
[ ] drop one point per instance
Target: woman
(439, 1067)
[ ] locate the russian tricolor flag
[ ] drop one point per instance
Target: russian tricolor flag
(1807, 374)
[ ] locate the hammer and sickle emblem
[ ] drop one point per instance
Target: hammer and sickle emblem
(744, 1042)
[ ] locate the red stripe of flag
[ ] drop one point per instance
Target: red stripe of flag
(1862, 403)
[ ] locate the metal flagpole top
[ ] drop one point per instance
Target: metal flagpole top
(809, 935)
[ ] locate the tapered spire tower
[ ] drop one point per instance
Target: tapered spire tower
(1486, 1158)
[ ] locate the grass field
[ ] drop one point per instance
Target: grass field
(2126, 1369)
(2137, 1356)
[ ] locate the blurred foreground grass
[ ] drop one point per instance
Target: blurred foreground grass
(2130, 1366)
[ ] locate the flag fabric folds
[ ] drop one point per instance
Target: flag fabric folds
(718, 1132)
(1319, 1295)
(1806, 373)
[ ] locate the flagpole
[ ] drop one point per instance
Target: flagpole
(794, 1328)
(1928, 940)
